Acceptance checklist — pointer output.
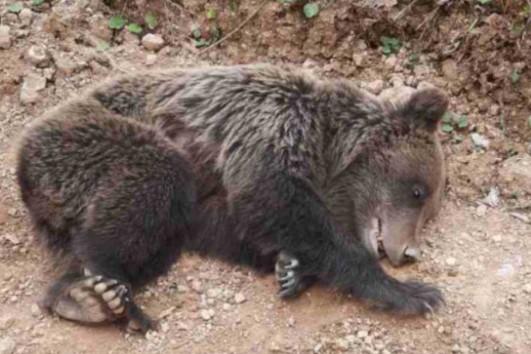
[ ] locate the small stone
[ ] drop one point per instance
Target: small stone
(5, 37)
(239, 298)
(391, 61)
(226, 306)
(64, 65)
(494, 110)
(480, 141)
(25, 16)
(152, 41)
(32, 85)
(451, 261)
(214, 293)
(7, 345)
(207, 315)
(342, 344)
(481, 210)
(12, 238)
(375, 86)
(165, 327)
(358, 59)
(527, 288)
(38, 56)
(362, 334)
(35, 310)
(151, 59)
(197, 286)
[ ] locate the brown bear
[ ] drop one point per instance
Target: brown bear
(256, 164)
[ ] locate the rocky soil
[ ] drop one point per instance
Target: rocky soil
(478, 250)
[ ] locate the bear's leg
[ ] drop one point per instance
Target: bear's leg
(290, 280)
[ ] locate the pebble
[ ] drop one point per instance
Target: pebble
(480, 141)
(197, 286)
(25, 16)
(38, 56)
(64, 65)
(239, 298)
(391, 62)
(32, 85)
(375, 86)
(35, 310)
(151, 59)
(481, 210)
(214, 293)
(207, 314)
(527, 288)
(7, 345)
(451, 261)
(152, 41)
(5, 37)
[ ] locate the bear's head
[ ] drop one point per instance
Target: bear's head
(388, 191)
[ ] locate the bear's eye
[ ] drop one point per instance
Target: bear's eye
(419, 193)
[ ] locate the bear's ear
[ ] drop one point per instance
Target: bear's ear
(425, 108)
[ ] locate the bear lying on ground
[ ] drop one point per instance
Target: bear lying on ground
(259, 165)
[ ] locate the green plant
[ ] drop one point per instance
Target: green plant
(452, 121)
(151, 20)
(116, 22)
(211, 14)
(15, 7)
(390, 45)
(37, 2)
(515, 76)
(484, 2)
(310, 10)
(134, 28)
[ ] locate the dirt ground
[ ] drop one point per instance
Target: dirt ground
(478, 250)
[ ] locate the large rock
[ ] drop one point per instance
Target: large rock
(152, 41)
(31, 87)
(515, 175)
(38, 56)
(5, 37)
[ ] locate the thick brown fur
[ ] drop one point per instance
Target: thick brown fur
(241, 163)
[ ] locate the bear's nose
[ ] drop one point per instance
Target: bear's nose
(411, 254)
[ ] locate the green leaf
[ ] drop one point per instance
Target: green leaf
(134, 28)
(37, 2)
(447, 117)
(211, 14)
(15, 7)
(200, 43)
(515, 76)
(390, 45)
(116, 22)
(151, 20)
(102, 46)
(310, 10)
(484, 2)
(196, 32)
(462, 122)
(447, 128)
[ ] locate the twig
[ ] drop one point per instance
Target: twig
(404, 10)
(240, 26)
